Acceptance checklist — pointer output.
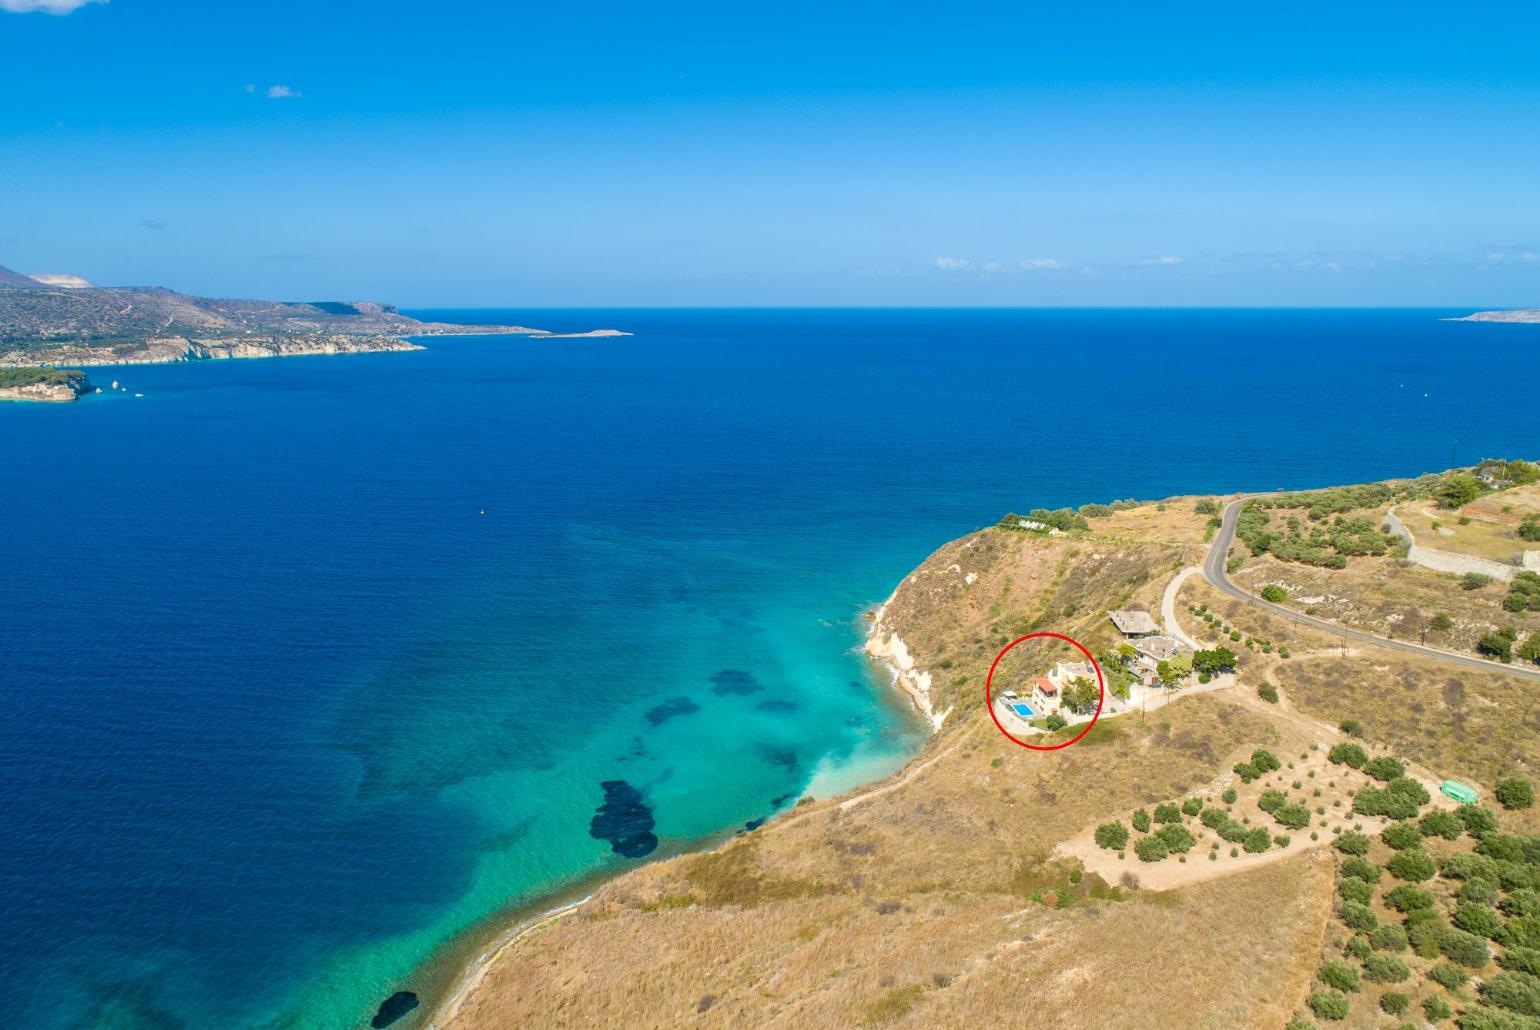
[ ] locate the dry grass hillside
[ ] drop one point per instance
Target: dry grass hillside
(954, 895)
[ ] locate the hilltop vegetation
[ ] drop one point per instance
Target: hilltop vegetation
(29, 376)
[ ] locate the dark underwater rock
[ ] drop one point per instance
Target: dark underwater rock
(673, 708)
(393, 1008)
(780, 757)
(625, 820)
(777, 707)
(777, 802)
(735, 682)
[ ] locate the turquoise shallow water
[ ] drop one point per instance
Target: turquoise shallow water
(289, 712)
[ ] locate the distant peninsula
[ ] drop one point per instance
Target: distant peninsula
(1525, 315)
(52, 325)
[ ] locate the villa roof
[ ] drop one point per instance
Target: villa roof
(1159, 648)
(1045, 686)
(1132, 623)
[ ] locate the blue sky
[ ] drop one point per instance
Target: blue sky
(857, 153)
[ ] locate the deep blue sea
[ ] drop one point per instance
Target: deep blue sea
(309, 664)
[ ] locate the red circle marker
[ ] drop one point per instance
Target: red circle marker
(1101, 692)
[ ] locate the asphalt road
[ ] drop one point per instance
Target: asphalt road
(1214, 572)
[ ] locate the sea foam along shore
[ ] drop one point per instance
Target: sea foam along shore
(477, 969)
(888, 647)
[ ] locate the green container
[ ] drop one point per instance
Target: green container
(1460, 792)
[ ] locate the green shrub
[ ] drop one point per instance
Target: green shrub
(1478, 821)
(1350, 755)
(1523, 931)
(1358, 947)
(1497, 645)
(1257, 841)
(1424, 937)
(1351, 843)
(1294, 817)
(1478, 919)
(1271, 800)
(1522, 902)
(1374, 801)
(1407, 898)
(1464, 867)
(1515, 792)
(1441, 623)
(1192, 806)
(1414, 866)
(1214, 818)
(1141, 821)
(1354, 889)
(1384, 768)
(1167, 813)
(1394, 1003)
(1246, 771)
(1265, 760)
(1389, 937)
(1402, 836)
(1523, 960)
(1329, 1004)
(1408, 787)
(1464, 948)
(1232, 831)
(1055, 722)
(1339, 975)
(1151, 849)
(1385, 969)
(1175, 837)
(1229, 796)
(1516, 992)
(1112, 836)
(1436, 1009)
(1274, 593)
(1362, 868)
(1446, 975)
(1478, 891)
(1440, 823)
(1352, 727)
(1474, 581)
(1268, 693)
(1523, 594)
(1357, 916)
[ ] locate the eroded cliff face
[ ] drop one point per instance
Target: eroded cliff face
(168, 349)
(49, 392)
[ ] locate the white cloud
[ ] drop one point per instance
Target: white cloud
(1040, 264)
(283, 93)
(992, 266)
(46, 6)
(952, 264)
(1529, 257)
(1164, 259)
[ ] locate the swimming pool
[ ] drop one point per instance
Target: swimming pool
(1025, 711)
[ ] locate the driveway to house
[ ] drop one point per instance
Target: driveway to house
(1214, 572)
(1168, 606)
